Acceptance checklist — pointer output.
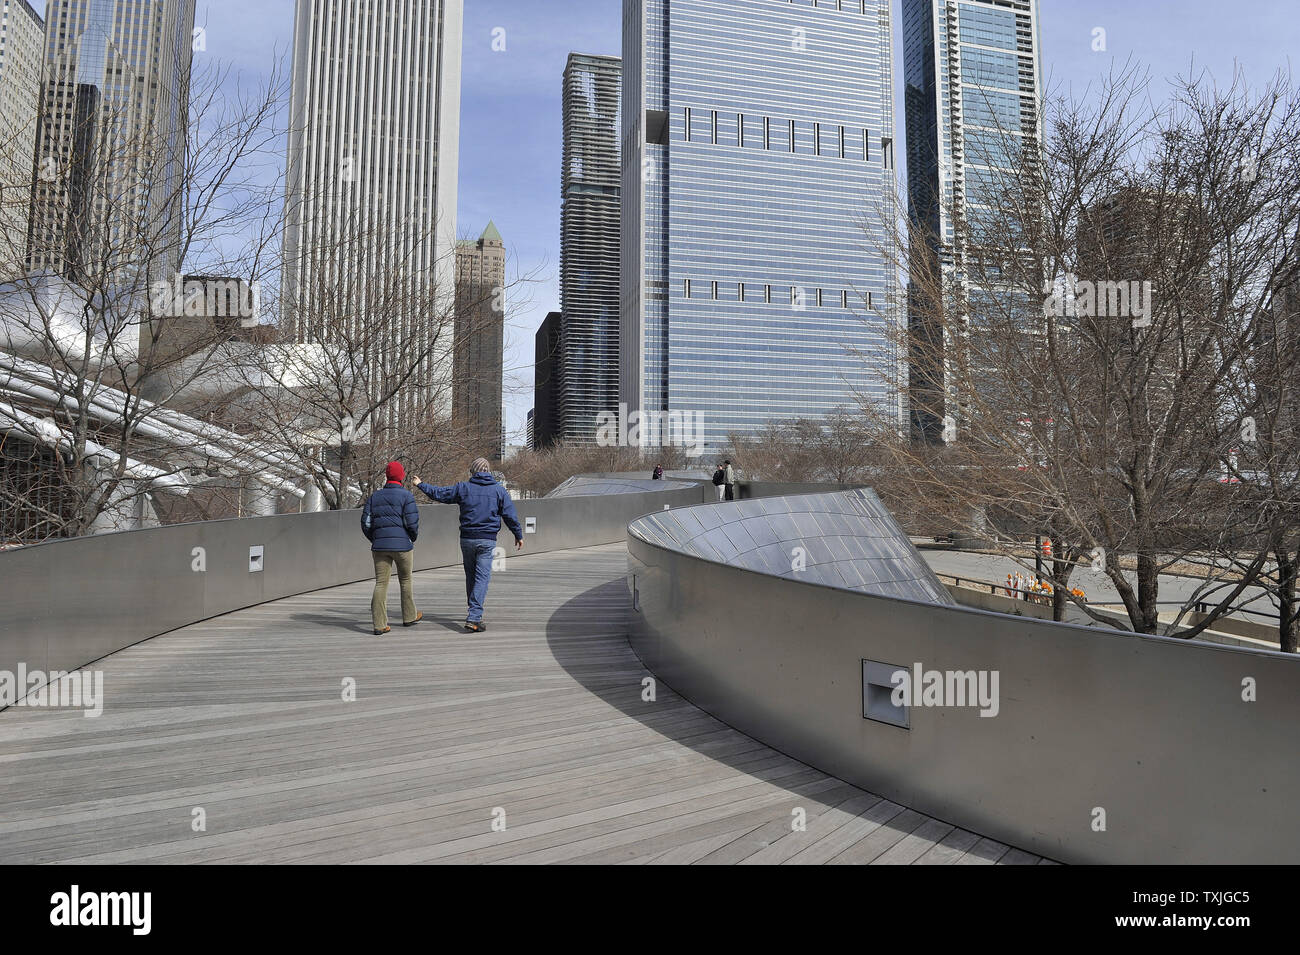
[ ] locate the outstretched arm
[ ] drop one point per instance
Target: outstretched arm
(443, 495)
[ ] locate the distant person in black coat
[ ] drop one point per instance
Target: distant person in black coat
(657, 474)
(391, 522)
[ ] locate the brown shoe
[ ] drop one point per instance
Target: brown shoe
(475, 626)
(418, 617)
(380, 633)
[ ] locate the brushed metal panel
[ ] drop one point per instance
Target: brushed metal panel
(67, 603)
(1152, 730)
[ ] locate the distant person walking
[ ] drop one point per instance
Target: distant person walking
(391, 522)
(720, 480)
(729, 481)
(484, 504)
(657, 474)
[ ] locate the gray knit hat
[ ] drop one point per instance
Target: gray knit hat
(480, 465)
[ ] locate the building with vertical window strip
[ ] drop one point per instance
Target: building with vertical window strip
(109, 187)
(22, 52)
(587, 365)
(372, 168)
(758, 196)
(973, 83)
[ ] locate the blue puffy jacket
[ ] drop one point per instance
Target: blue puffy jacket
(483, 505)
(390, 520)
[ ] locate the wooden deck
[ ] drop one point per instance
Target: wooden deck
(538, 722)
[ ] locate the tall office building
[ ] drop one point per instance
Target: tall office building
(480, 340)
(372, 172)
(22, 42)
(973, 83)
(758, 192)
(546, 391)
(109, 190)
(589, 256)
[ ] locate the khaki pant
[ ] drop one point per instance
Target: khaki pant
(384, 561)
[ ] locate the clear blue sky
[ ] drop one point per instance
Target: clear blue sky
(510, 100)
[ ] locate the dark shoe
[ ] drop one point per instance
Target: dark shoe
(475, 626)
(418, 617)
(380, 633)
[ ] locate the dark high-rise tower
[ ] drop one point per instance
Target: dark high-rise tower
(545, 386)
(973, 83)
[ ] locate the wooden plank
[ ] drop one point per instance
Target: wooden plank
(949, 849)
(985, 852)
(541, 716)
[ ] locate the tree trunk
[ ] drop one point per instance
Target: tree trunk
(1288, 631)
(1060, 579)
(1148, 575)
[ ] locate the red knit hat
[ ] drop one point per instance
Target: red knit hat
(396, 472)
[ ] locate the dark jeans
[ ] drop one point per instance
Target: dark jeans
(476, 555)
(731, 492)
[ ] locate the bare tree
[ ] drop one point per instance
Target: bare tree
(1076, 346)
(94, 347)
(840, 448)
(1265, 466)
(363, 367)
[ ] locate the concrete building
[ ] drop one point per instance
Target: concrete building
(754, 155)
(108, 190)
(480, 340)
(372, 175)
(588, 365)
(973, 78)
(546, 413)
(22, 40)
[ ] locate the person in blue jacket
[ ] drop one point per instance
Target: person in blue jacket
(391, 522)
(484, 504)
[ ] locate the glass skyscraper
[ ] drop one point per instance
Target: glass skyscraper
(22, 42)
(758, 192)
(973, 84)
(110, 148)
(587, 364)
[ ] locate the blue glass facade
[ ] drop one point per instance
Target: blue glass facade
(758, 173)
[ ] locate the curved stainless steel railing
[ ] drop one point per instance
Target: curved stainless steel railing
(67, 603)
(1081, 744)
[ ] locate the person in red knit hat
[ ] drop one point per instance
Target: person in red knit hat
(391, 522)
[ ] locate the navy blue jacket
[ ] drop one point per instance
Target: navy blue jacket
(390, 520)
(483, 505)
